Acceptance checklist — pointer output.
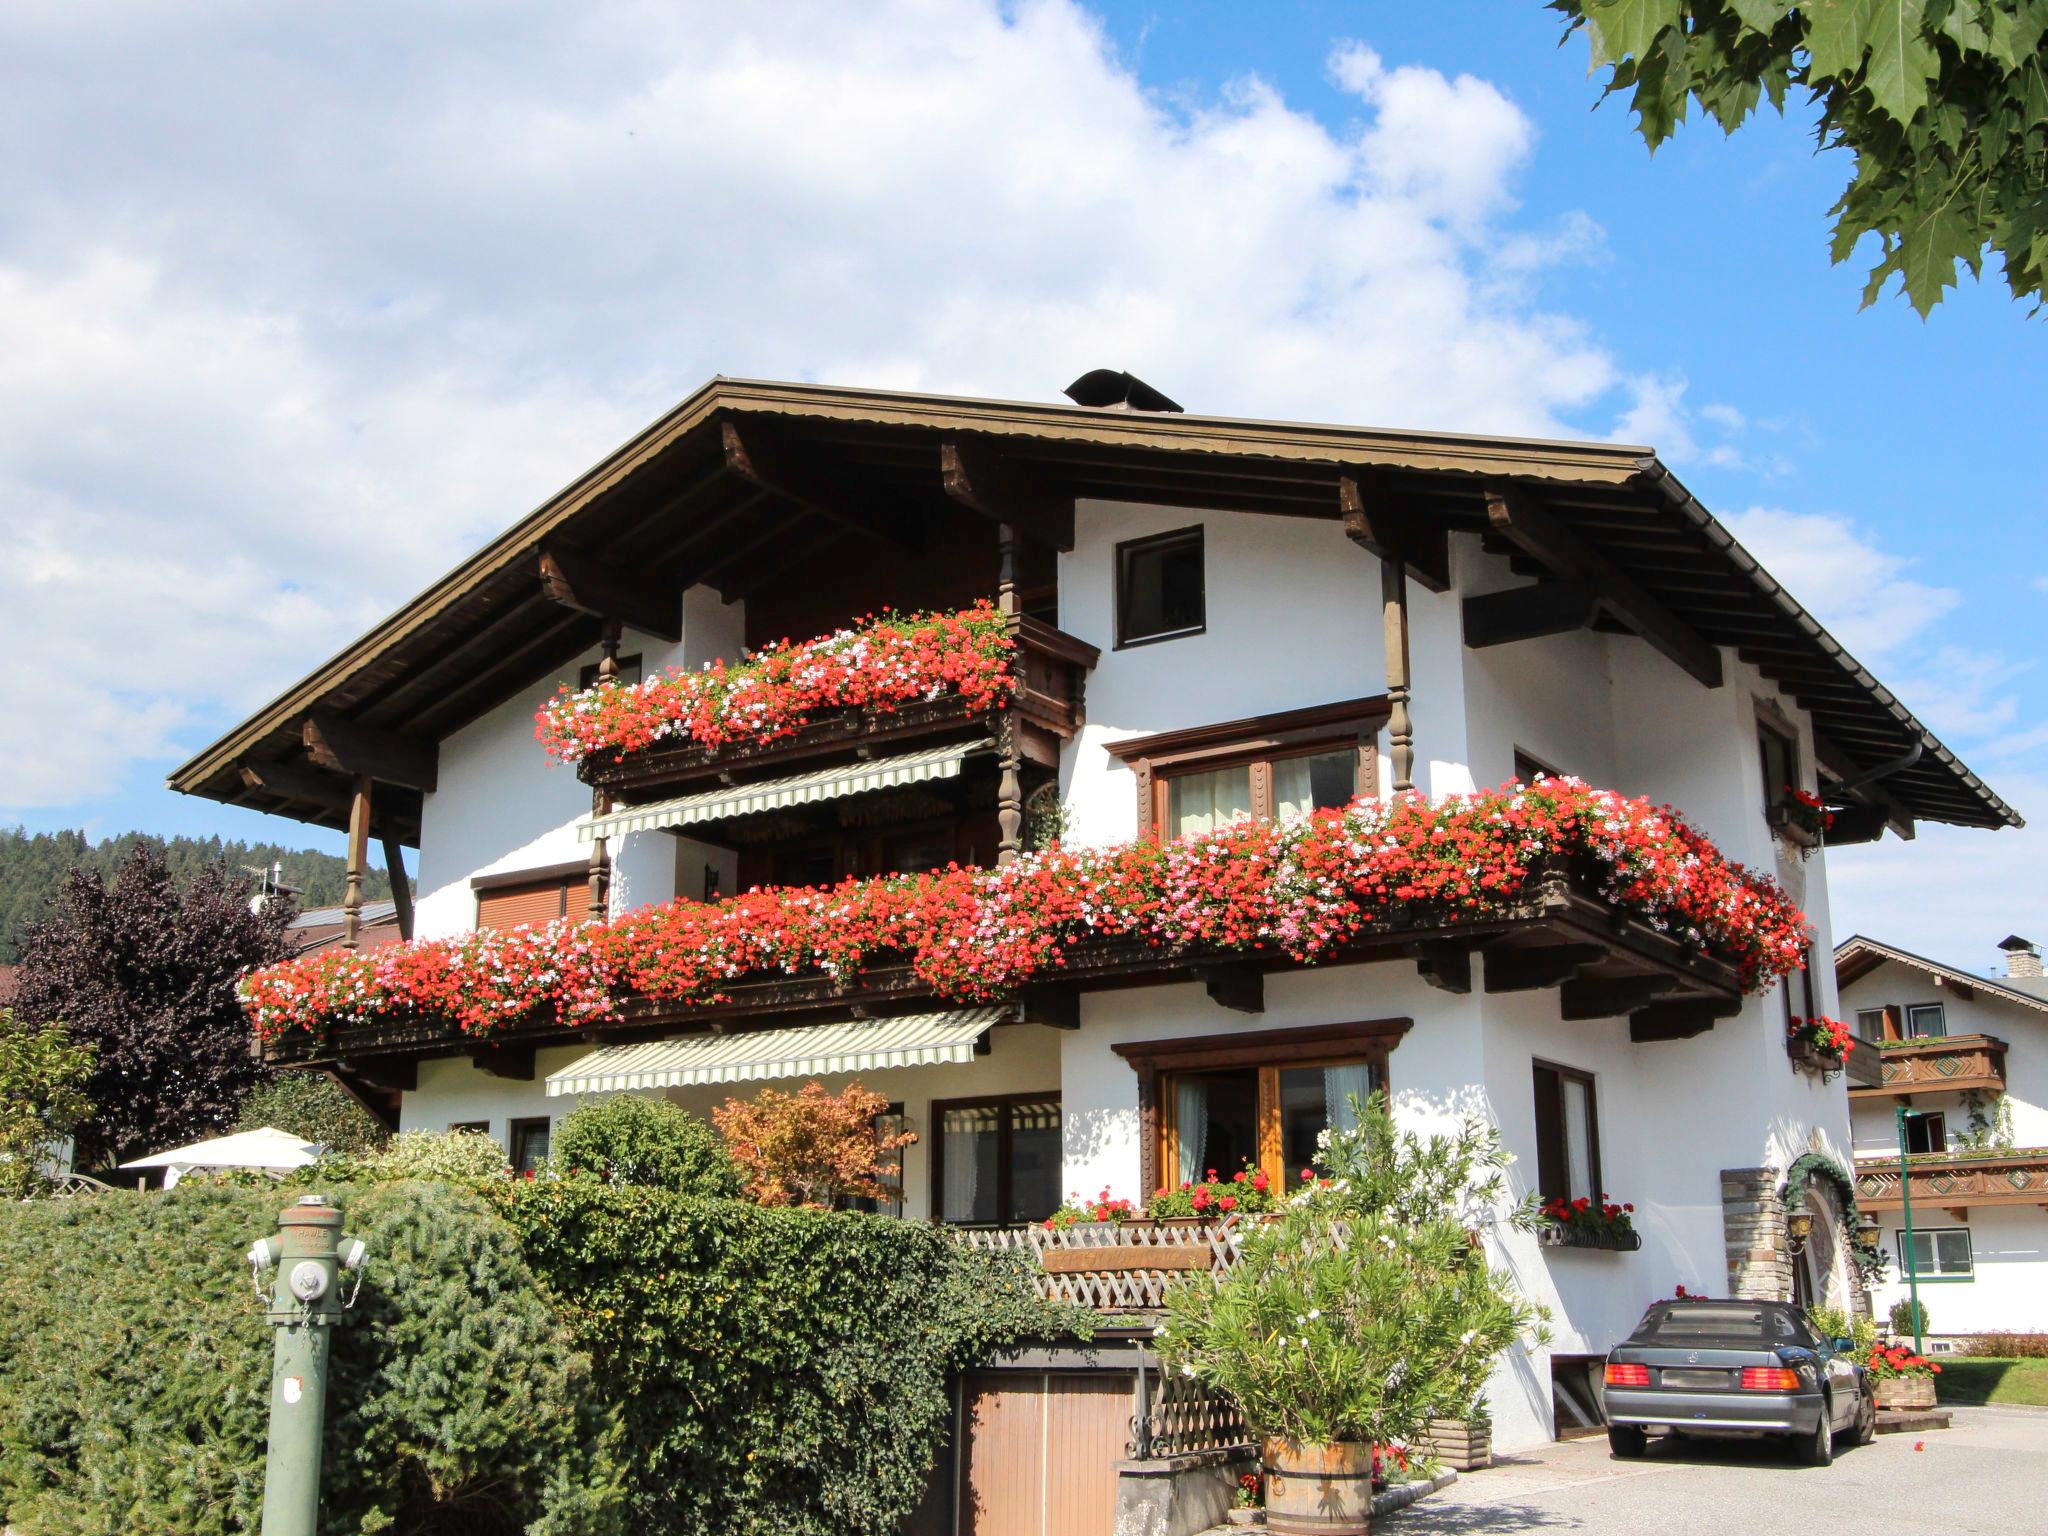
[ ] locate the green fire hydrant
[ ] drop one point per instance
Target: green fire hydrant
(310, 1256)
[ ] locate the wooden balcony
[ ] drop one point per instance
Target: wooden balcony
(1110, 1267)
(1865, 1064)
(1602, 962)
(1947, 1064)
(1047, 708)
(1956, 1181)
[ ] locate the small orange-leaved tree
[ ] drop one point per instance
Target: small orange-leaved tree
(812, 1147)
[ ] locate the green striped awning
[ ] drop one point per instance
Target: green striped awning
(778, 794)
(809, 1050)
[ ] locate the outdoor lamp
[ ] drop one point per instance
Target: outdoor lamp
(1798, 1227)
(1866, 1230)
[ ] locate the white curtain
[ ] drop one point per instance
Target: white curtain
(965, 1131)
(1339, 1085)
(1578, 1141)
(1295, 780)
(1202, 802)
(1191, 1126)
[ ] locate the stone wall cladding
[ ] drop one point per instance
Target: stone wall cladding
(1753, 1224)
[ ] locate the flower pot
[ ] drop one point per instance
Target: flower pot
(1318, 1490)
(1809, 1057)
(1464, 1445)
(1905, 1392)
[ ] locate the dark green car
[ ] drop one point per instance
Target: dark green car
(1736, 1368)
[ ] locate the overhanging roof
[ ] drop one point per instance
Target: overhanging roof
(779, 794)
(670, 505)
(810, 1050)
(1857, 957)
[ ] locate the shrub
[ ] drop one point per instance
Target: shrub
(42, 1099)
(1902, 1317)
(2007, 1346)
(313, 1107)
(135, 1372)
(778, 1372)
(812, 1147)
(1834, 1323)
(448, 1157)
(1364, 1311)
(629, 1139)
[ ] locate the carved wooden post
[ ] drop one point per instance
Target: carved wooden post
(1400, 730)
(358, 853)
(600, 801)
(1010, 790)
(1007, 602)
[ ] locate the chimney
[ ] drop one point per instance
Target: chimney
(2022, 956)
(1111, 389)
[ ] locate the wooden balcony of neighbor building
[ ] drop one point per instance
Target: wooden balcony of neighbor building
(1046, 709)
(1945, 1064)
(1956, 1181)
(1864, 1064)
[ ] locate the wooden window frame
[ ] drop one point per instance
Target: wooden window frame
(1883, 1020)
(568, 876)
(1941, 1010)
(1259, 742)
(1370, 1040)
(523, 1126)
(1004, 1173)
(1806, 991)
(1539, 1064)
(1529, 767)
(1125, 548)
(1922, 1116)
(1772, 721)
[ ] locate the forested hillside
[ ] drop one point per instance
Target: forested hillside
(31, 868)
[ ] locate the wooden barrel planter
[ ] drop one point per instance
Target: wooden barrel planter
(1318, 1490)
(1914, 1392)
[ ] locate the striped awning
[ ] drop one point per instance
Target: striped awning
(778, 794)
(809, 1050)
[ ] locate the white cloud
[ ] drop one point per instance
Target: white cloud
(1658, 417)
(1860, 592)
(297, 305)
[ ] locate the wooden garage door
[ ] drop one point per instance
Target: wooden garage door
(1040, 1453)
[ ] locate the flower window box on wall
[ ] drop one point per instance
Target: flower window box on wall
(1255, 770)
(1569, 1237)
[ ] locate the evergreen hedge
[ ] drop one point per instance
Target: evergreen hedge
(135, 1372)
(778, 1372)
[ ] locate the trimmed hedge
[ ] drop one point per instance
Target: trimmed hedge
(629, 1138)
(135, 1373)
(777, 1372)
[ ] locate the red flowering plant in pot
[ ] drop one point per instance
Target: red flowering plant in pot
(877, 663)
(1247, 1192)
(1802, 818)
(1102, 1209)
(1586, 1223)
(1900, 1377)
(1818, 1042)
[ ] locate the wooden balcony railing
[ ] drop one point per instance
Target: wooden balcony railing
(1956, 1181)
(1865, 1065)
(1947, 1064)
(1121, 1267)
(1047, 708)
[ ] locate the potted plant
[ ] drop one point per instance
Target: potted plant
(1801, 819)
(1899, 1377)
(1247, 1192)
(1248, 1500)
(1100, 1213)
(1585, 1223)
(1357, 1316)
(1818, 1044)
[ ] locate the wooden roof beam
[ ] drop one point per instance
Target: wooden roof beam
(1513, 515)
(980, 479)
(1382, 522)
(347, 746)
(303, 785)
(1525, 613)
(594, 586)
(757, 452)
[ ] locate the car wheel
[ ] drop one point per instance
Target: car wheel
(1626, 1440)
(1866, 1418)
(1819, 1450)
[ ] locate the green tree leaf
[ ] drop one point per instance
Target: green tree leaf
(1902, 60)
(1626, 28)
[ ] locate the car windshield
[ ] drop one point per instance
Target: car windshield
(1721, 1320)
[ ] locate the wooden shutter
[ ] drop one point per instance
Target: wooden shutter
(507, 906)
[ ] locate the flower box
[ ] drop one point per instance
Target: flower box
(1465, 1445)
(1808, 1057)
(1573, 1237)
(1904, 1392)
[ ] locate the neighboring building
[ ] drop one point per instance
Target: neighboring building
(10, 983)
(1204, 606)
(1966, 1057)
(322, 928)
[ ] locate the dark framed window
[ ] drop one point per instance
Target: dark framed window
(1926, 1131)
(629, 672)
(1938, 1253)
(996, 1160)
(531, 897)
(1261, 769)
(1529, 767)
(1926, 1021)
(890, 1122)
(1778, 756)
(1567, 1134)
(1800, 1000)
(1870, 1024)
(527, 1142)
(481, 1127)
(1160, 587)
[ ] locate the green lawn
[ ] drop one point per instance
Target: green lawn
(1971, 1381)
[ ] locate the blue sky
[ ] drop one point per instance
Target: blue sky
(296, 308)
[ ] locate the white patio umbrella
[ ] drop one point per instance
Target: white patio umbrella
(268, 1148)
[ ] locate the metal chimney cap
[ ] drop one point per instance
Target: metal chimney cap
(1112, 389)
(2013, 941)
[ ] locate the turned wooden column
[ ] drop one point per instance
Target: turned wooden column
(358, 854)
(601, 802)
(1400, 729)
(1007, 601)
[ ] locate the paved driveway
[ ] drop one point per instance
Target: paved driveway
(1988, 1473)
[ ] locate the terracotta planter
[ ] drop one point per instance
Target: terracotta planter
(1905, 1392)
(1318, 1490)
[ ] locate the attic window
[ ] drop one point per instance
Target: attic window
(1159, 588)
